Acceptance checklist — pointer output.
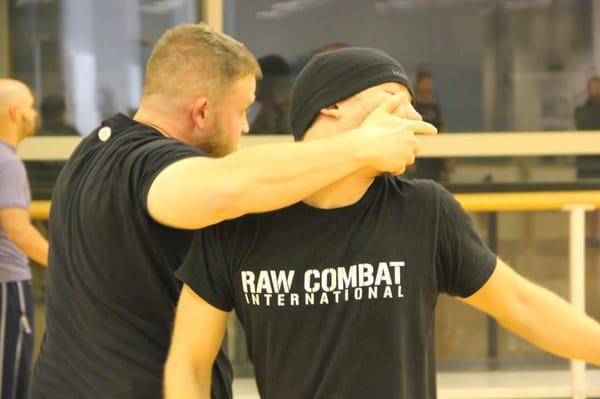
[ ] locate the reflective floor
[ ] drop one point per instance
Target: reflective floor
(485, 385)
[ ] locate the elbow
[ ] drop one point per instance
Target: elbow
(183, 377)
(522, 317)
(177, 368)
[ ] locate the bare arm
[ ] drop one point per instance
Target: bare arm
(538, 315)
(197, 192)
(20, 231)
(197, 337)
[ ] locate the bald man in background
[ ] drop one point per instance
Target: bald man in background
(19, 240)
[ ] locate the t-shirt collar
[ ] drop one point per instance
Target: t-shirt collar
(348, 210)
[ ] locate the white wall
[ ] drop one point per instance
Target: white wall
(105, 48)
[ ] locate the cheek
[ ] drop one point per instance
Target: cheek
(27, 119)
(235, 124)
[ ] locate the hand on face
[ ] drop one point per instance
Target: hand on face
(397, 110)
(391, 129)
(405, 108)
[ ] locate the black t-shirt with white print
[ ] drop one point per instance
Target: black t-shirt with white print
(340, 303)
(110, 286)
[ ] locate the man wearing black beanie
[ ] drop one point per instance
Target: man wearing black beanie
(337, 293)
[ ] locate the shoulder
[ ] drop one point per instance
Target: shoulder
(122, 135)
(142, 144)
(412, 187)
(12, 165)
(231, 237)
(422, 193)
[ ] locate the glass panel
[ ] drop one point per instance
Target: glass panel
(85, 59)
(476, 65)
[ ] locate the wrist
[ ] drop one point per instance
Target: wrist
(355, 146)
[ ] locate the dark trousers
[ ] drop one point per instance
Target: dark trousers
(16, 338)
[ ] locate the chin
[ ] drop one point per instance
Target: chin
(215, 151)
(227, 150)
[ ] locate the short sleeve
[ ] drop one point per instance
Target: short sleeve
(151, 158)
(13, 185)
(205, 269)
(463, 262)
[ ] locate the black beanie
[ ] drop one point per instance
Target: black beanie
(337, 75)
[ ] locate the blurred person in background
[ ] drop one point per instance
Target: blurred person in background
(430, 168)
(303, 60)
(271, 108)
(587, 117)
(54, 114)
(19, 240)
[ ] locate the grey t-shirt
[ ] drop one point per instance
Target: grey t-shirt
(14, 193)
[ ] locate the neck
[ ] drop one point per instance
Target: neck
(10, 137)
(161, 118)
(348, 190)
(342, 193)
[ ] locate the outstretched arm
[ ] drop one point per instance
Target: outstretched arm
(197, 192)
(538, 315)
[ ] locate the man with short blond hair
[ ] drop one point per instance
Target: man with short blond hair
(19, 240)
(126, 200)
(178, 55)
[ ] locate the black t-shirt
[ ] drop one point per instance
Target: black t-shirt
(110, 287)
(587, 117)
(340, 303)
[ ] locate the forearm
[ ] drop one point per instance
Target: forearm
(269, 177)
(551, 323)
(29, 240)
(182, 382)
(197, 192)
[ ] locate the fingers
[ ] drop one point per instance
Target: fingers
(407, 111)
(411, 113)
(417, 148)
(420, 127)
(390, 104)
(410, 159)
